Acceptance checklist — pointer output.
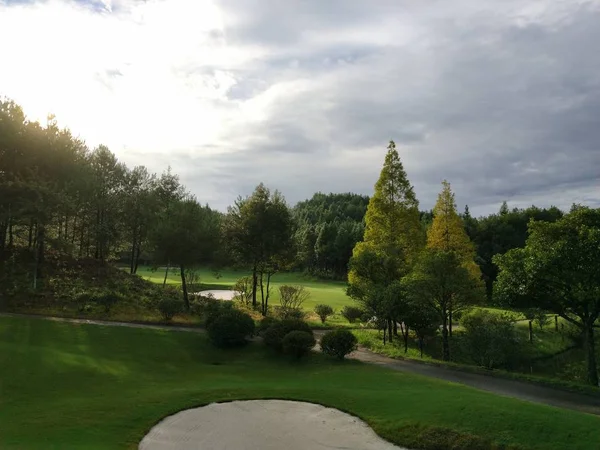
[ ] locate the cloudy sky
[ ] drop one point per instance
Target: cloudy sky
(501, 97)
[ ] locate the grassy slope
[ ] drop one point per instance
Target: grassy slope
(328, 292)
(81, 386)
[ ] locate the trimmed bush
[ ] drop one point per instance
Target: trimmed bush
(230, 328)
(323, 311)
(298, 343)
(274, 335)
(338, 343)
(169, 307)
(351, 313)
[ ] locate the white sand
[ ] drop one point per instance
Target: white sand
(263, 425)
(219, 294)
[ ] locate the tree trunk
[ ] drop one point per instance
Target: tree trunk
(137, 257)
(591, 354)
(254, 286)
(384, 331)
(405, 336)
(166, 274)
(390, 334)
(186, 300)
(450, 323)
(530, 332)
(262, 295)
(267, 298)
(41, 250)
(132, 257)
(445, 340)
(395, 328)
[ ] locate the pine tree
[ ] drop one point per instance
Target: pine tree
(392, 241)
(392, 220)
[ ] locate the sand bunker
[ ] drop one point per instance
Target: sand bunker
(264, 425)
(219, 294)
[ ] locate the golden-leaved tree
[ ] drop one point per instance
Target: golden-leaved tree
(447, 233)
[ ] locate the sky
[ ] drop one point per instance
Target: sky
(501, 98)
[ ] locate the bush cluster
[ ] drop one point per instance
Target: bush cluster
(275, 336)
(338, 343)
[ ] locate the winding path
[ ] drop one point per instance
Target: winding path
(500, 386)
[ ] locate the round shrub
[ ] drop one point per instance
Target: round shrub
(230, 328)
(298, 343)
(169, 306)
(274, 335)
(351, 313)
(212, 309)
(338, 343)
(323, 311)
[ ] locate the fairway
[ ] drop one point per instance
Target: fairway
(86, 386)
(331, 293)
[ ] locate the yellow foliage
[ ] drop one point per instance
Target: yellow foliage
(447, 231)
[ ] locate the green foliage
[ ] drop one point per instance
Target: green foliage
(230, 328)
(557, 271)
(490, 339)
(211, 309)
(274, 335)
(291, 299)
(323, 311)
(328, 228)
(338, 343)
(441, 283)
(169, 306)
(266, 323)
(298, 343)
(351, 313)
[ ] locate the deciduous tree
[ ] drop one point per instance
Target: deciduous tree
(557, 271)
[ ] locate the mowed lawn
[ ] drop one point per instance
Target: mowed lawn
(331, 293)
(68, 386)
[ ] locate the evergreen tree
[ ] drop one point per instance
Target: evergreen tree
(392, 240)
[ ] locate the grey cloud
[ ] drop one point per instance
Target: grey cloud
(501, 99)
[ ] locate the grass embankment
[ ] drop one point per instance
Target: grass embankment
(83, 386)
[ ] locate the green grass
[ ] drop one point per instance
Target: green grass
(328, 292)
(82, 386)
